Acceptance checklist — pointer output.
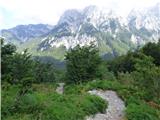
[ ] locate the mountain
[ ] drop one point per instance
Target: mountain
(23, 33)
(113, 34)
(145, 23)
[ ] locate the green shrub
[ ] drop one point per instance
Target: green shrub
(141, 112)
(48, 105)
(75, 89)
(93, 104)
(73, 107)
(104, 84)
(95, 84)
(30, 103)
(8, 95)
(20, 117)
(82, 64)
(125, 78)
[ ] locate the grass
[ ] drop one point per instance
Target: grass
(136, 107)
(96, 84)
(72, 107)
(141, 112)
(42, 102)
(32, 47)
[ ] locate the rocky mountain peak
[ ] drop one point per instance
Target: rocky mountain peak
(71, 17)
(113, 34)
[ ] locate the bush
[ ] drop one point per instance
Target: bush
(48, 105)
(30, 104)
(141, 112)
(72, 107)
(95, 84)
(20, 117)
(82, 64)
(125, 78)
(148, 79)
(103, 73)
(105, 85)
(153, 50)
(8, 95)
(44, 72)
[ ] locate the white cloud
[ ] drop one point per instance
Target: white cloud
(13, 12)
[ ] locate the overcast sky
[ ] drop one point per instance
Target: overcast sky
(14, 12)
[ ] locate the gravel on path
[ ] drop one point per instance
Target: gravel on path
(60, 88)
(115, 109)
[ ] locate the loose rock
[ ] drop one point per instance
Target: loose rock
(60, 88)
(116, 106)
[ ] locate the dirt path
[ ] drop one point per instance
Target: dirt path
(116, 106)
(60, 88)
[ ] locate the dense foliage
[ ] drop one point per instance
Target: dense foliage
(29, 86)
(21, 70)
(82, 63)
(152, 49)
(28, 90)
(19, 66)
(141, 71)
(44, 72)
(43, 103)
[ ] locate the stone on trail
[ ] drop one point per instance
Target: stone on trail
(115, 109)
(60, 88)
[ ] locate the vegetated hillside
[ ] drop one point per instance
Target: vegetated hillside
(23, 33)
(28, 86)
(113, 34)
(47, 59)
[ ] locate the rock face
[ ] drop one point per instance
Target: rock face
(110, 31)
(116, 106)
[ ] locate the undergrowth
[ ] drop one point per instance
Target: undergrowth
(136, 106)
(43, 103)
